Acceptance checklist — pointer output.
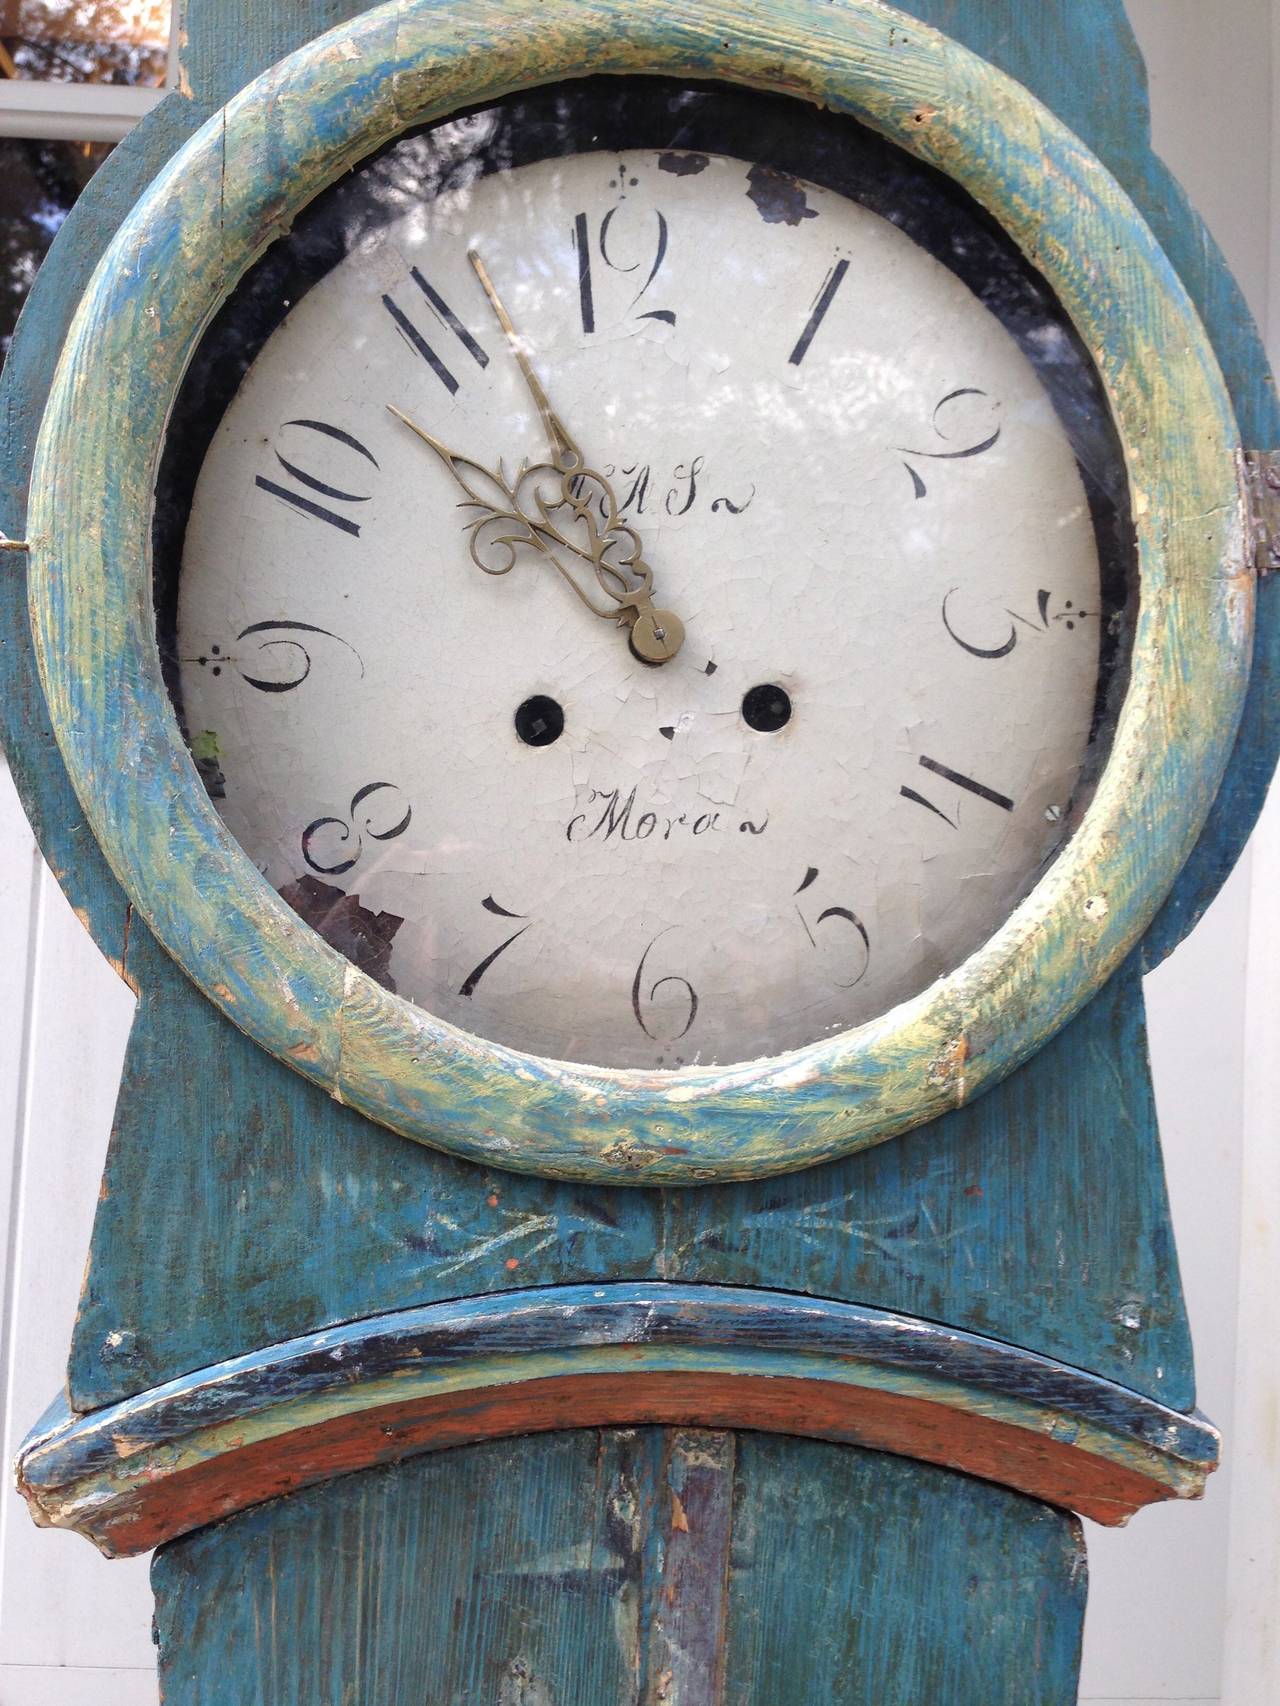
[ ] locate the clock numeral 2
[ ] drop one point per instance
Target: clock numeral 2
(448, 319)
(966, 782)
(308, 506)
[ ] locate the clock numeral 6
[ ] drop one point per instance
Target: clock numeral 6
(651, 1009)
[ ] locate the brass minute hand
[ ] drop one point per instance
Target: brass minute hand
(564, 451)
(528, 518)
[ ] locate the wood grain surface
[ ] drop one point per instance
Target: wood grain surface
(630, 1568)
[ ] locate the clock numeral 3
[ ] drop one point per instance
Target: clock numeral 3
(325, 488)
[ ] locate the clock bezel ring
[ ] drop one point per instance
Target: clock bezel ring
(211, 213)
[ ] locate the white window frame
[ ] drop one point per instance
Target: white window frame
(80, 112)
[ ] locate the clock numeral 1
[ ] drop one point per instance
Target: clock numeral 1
(308, 506)
(966, 782)
(586, 298)
(448, 319)
(826, 296)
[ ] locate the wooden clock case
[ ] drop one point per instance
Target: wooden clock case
(281, 1290)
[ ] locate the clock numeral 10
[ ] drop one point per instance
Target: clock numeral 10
(325, 488)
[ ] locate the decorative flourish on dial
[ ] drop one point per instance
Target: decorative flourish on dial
(336, 832)
(978, 448)
(1070, 616)
(293, 654)
(551, 507)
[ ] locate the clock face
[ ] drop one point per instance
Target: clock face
(818, 398)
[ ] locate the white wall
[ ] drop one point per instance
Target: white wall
(1184, 1606)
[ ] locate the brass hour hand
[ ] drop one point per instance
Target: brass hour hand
(565, 516)
(559, 508)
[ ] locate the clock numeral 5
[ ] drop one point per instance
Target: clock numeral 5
(838, 916)
(292, 465)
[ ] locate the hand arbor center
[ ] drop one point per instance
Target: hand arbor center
(561, 509)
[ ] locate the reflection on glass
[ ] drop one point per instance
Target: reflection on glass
(85, 41)
(39, 183)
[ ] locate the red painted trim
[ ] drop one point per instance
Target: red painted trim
(1046, 1468)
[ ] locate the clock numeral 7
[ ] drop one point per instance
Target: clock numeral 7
(468, 986)
(327, 434)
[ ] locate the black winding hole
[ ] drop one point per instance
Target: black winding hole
(540, 720)
(766, 708)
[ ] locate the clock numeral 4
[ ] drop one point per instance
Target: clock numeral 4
(979, 789)
(324, 437)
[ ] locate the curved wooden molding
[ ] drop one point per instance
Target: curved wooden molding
(217, 1441)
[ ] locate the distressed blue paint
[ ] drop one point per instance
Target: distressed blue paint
(534, 1573)
(204, 220)
(88, 1471)
(1084, 63)
(242, 1207)
(246, 1225)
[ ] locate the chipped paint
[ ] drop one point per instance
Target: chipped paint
(425, 1079)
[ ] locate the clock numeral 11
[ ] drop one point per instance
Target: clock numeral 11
(448, 320)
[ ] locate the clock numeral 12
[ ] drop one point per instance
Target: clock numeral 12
(448, 319)
(308, 506)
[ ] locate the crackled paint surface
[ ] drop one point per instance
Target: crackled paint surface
(850, 483)
(206, 218)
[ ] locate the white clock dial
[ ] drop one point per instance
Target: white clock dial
(850, 484)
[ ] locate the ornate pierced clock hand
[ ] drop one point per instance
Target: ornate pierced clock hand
(524, 512)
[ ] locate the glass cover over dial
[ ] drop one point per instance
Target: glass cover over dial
(641, 573)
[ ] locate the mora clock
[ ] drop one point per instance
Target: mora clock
(653, 616)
